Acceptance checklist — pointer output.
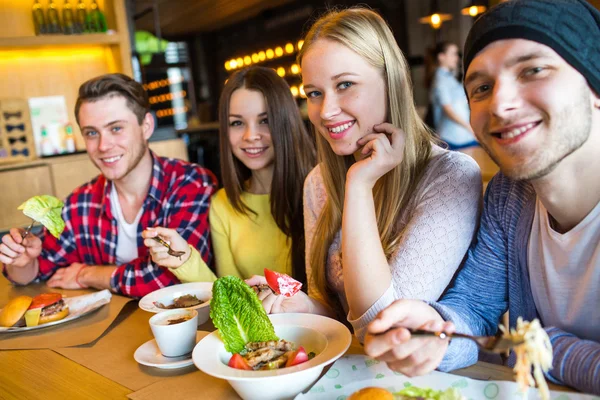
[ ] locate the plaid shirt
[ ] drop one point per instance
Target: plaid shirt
(178, 198)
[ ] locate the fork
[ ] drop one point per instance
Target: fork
(492, 344)
(28, 229)
(170, 251)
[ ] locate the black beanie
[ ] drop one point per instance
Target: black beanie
(570, 27)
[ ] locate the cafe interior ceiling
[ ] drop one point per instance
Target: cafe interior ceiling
(185, 17)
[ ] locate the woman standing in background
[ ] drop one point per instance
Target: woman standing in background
(448, 100)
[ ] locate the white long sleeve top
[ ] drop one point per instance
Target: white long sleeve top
(437, 228)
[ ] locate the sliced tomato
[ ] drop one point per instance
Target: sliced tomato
(44, 300)
(281, 283)
(297, 357)
(238, 362)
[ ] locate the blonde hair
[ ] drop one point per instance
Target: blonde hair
(368, 35)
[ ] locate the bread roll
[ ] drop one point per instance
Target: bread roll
(371, 393)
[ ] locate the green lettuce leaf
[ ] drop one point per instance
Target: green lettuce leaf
(238, 314)
(47, 211)
(431, 394)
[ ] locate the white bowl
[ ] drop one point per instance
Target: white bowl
(202, 290)
(328, 338)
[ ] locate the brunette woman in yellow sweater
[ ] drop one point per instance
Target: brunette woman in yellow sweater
(256, 220)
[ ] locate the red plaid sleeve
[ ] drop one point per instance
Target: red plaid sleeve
(84, 229)
(76, 241)
(57, 253)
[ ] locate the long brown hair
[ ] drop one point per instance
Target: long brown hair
(294, 156)
(367, 34)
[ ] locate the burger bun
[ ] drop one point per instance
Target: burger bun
(56, 316)
(14, 310)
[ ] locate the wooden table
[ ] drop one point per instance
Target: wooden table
(45, 374)
(105, 369)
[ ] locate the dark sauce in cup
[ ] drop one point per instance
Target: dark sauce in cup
(179, 320)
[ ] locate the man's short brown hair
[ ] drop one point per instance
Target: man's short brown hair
(110, 85)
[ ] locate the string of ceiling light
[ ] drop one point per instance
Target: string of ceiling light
(269, 55)
(263, 55)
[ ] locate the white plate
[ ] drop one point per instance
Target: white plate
(78, 307)
(328, 338)
(149, 354)
(202, 290)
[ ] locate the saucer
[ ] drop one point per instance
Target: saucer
(149, 354)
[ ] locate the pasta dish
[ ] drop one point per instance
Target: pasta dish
(535, 351)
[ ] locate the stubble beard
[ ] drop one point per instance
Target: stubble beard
(143, 148)
(572, 128)
(137, 157)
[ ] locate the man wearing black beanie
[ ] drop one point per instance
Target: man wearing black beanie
(532, 77)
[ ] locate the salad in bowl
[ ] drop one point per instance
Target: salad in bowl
(266, 356)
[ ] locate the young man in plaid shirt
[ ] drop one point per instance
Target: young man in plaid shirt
(101, 246)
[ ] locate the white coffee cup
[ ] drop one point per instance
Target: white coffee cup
(175, 339)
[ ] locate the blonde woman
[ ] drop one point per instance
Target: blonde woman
(388, 214)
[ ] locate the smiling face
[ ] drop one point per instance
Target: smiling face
(529, 108)
(114, 139)
(249, 134)
(346, 95)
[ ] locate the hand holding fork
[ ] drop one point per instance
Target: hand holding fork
(170, 251)
(166, 246)
(412, 338)
(20, 249)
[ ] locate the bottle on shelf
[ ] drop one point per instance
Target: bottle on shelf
(39, 19)
(69, 139)
(53, 18)
(81, 18)
(46, 144)
(96, 18)
(68, 19)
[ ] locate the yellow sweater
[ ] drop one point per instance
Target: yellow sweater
(243, 244)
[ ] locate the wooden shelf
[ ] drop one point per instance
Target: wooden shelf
(89, 39)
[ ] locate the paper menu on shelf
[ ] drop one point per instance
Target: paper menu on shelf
(353, 372)
(52, 132)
